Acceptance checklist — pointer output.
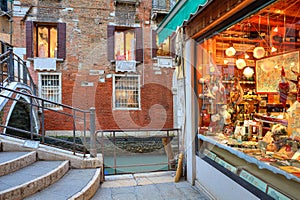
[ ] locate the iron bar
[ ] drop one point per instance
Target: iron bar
(43, 122)
(74, 129)
(31, 119)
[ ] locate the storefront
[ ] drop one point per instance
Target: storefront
(242, 59)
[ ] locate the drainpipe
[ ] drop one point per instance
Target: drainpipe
(93, 150)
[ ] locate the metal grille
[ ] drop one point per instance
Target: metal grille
(50, 89)
(127, 92)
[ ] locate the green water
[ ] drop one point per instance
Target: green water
(135, 160)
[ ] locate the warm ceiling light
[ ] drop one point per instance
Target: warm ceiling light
(259, 52)
(230, 51)
(240, 63)
(225, 61)
(275, 29)
(246, 56)
(248, 72)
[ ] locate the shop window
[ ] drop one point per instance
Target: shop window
(45, 40)
(50, 88)
(124, 44)
(126, 92)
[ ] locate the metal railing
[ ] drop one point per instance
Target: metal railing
(73, 114)
(117, 144)
(14, 69)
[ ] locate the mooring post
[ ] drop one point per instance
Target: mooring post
(93, 150)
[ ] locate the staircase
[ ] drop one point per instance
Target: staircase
(45, 172)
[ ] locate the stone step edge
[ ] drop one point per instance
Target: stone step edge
(17, 163)
(90, 189)
(27, 189)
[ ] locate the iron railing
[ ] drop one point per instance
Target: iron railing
(14, 69)
(111, 147)
(74, 114)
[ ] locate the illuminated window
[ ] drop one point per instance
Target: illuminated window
(163, 48)
(126, 92)
(46, 41)
(50, 88)
(125, 45)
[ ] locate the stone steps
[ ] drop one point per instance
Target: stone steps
(31, 179)
(36, 174)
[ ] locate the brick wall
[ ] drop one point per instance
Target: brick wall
(86, 48)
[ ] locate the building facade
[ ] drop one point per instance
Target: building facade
(100, 54)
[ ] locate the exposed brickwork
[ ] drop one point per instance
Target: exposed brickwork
(86, 45)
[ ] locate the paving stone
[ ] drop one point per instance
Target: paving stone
(147, 186)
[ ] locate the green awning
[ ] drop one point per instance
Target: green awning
(179, 13)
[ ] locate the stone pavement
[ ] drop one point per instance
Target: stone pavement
(143, 186)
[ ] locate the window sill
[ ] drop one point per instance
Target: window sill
(57, 59)
(114, 61)
(125, 109)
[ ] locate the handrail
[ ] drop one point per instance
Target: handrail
(21, 75)
(35, 104)
(42, 99)
(10, 73)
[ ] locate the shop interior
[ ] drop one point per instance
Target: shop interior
(248, 85)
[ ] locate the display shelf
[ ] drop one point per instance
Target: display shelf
(241, 82)
(261, 165)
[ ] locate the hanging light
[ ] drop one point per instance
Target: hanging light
(230, 51)
(240, 63)
(258, 52)
(246, 56)
(248, 72)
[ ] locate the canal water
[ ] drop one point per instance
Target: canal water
(153, 160)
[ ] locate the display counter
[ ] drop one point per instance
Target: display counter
(278, 179)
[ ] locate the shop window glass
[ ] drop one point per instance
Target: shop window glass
(126, 92)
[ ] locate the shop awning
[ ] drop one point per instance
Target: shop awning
(180, 13)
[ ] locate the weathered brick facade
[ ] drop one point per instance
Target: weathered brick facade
(86, 50)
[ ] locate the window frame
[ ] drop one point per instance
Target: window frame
(114, 92)
(59, 88)
(31, 39)
(139, 51)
